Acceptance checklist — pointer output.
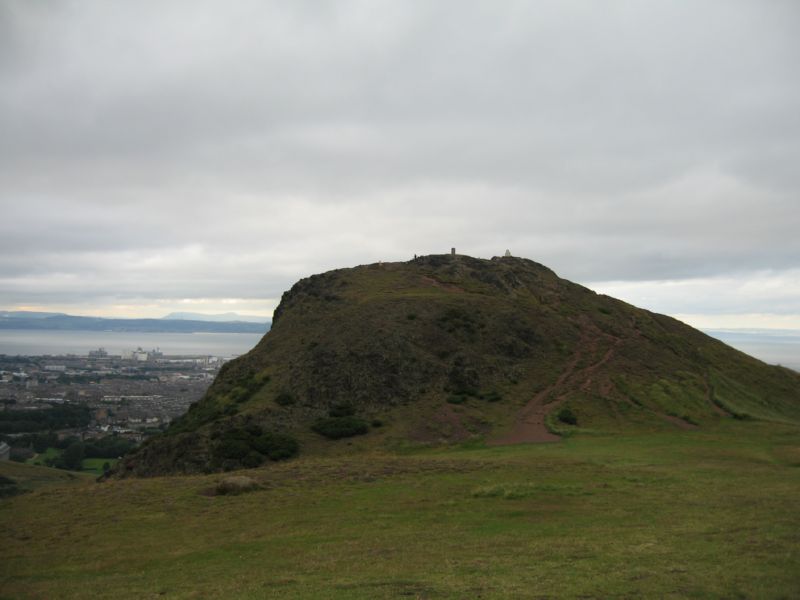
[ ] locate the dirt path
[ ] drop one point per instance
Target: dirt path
(449, 287)
(677, 421)
(530, 425)
(589, 371)
(710, 397)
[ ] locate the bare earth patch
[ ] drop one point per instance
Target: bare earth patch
(530, 427)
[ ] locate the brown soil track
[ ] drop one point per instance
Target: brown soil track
(530, 424)
(678, 421)
(530, 427)
(710, 397)
(448, 287)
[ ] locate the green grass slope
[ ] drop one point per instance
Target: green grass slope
(445, 349)
(17, 478)
(708, 513)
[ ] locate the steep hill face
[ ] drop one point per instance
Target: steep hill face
(449, 348)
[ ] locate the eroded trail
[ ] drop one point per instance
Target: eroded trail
(530, 425)
(710, 399)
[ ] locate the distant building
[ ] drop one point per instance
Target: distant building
(507, 254)
(5, 451)
(138, 355)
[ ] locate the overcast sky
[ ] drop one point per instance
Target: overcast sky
(203, 156)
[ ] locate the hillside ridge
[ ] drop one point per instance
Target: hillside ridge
(446, 349)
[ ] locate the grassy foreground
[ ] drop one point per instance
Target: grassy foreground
(702, 514)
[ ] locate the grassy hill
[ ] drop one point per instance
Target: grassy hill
(706, 513)
(17, 478)
(447, 349)
(681, 483)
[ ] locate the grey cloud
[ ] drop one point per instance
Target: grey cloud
(193, 149)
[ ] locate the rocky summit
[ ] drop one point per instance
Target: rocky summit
(448, 349)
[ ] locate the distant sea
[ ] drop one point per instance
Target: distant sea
(37, 343)
(775, 347)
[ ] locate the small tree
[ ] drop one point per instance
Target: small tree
(340, 427)
(72, 458)
(565, 415)
(285, 399)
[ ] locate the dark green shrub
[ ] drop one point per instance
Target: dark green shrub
(455, 320)
(8, 487)
(201, 412)
(72, 457)
(565, 415)
(411, 316)
(107, 447)
(233, 448)
(456, 399)
(236, 433)
(463, 378)
(276, 446)
(253, 429)
(340, 427)
(342, 410)
(247, 386)
(239, 394)
(67, 441)
(285, 399)
(249, 445)
(493, 396)
(252, 460)
(377, 423)
(254, 382)
(53, 418)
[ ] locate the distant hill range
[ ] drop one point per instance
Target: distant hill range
(219, 318)
(169, 324)
(450, 349)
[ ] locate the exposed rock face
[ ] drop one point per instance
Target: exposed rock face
(446, 348)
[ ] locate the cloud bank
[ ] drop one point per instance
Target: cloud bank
(155, 155)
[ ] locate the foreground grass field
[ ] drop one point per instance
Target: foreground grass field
(698, 513)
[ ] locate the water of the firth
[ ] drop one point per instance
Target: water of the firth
(38, 343)
(773, 347)
(776, 347)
